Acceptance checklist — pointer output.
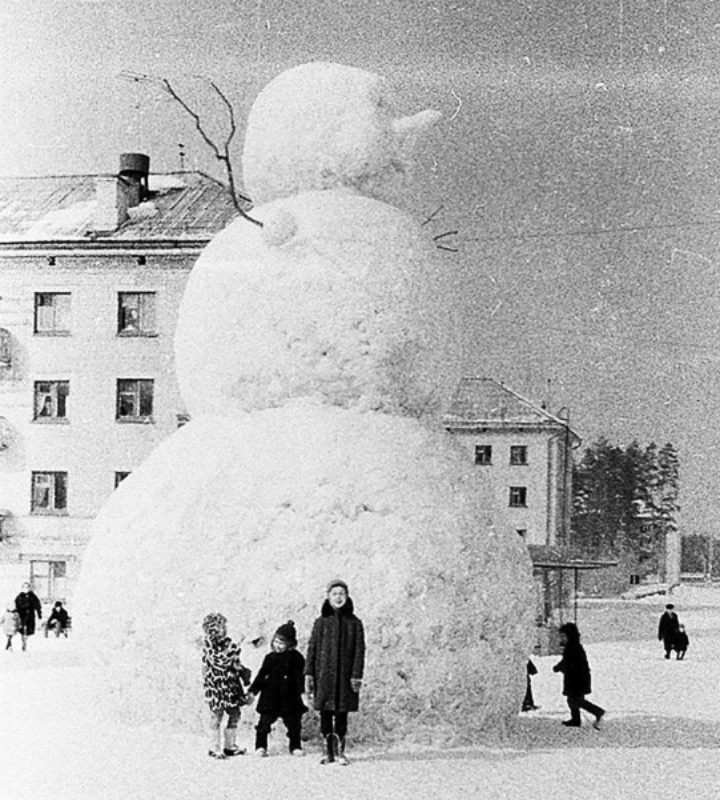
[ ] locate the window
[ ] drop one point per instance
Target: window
(518, 454)
(52, 313)
(483, 453)
(120, 477)
(521, 532)
(48, 579)
(134, 400)
(136, 313)
(51, 400)
(49, 492)
(518, 496)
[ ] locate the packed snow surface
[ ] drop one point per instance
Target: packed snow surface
(660, 741)
(352, 308)
(273, 505)
(326, 126)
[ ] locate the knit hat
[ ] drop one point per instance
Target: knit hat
(212, 623)
(287, 633)
(338, 582)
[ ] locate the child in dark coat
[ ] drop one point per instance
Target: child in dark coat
(280, 684)
(334, 668)
(223, 680)
(681, 643)
(576, 677)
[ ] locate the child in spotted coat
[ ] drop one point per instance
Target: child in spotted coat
(224, 681)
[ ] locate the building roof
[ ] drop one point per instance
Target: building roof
(480, 401)
(181, 206)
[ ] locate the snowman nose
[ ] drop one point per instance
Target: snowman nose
(424, 119)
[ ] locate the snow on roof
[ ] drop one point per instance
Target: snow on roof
(187, 205)
(481, 400)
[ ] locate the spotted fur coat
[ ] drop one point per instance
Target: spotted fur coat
(224, 676)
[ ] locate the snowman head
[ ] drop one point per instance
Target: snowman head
(326, 126)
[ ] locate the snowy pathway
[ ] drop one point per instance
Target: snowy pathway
(661, 740)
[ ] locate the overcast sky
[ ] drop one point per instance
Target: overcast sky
(578, 158)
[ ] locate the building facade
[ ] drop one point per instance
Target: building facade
(526, 454)
(92, 270)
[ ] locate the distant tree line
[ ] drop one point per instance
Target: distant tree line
(625, 501)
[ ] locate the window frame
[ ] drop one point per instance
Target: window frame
(56, 328)
(55, 477)
(137, 399)
(517, 497)
(145, 308)
(56, 396)
(487, 450)
(514, 450)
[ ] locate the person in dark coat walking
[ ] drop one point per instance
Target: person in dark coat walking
(334, 668)
(280, 684)
(27, 605)
(668, 628)
(681, 643)
(576, 677)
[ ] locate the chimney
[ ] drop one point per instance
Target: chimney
(115, 194)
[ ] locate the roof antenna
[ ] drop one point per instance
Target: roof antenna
(547, 401)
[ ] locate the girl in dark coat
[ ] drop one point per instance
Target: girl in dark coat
(334, 667)
(279, 683)
(27, 604)
(576, 676)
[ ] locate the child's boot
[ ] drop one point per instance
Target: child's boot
(329, 756)
(215, 749)
(231, 746)
(342, 758)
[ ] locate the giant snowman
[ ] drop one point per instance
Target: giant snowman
(315, 354)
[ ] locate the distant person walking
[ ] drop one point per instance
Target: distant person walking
(528, 702)
(668, 628)
(681, 643)
(576, 677)
(10, 622)
(27, 605)
(334, 668)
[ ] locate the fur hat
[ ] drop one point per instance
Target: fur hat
(670, 606)
(287, 633)
(338, 582)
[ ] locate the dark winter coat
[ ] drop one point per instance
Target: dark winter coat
(681, 641)
(335, 655)
(27, 605)
(669, 628)
(575, 669)
(60, 616)
(280, 683)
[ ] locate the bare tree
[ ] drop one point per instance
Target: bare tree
(221, 151)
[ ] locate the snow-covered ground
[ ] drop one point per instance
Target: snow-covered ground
(661, 738)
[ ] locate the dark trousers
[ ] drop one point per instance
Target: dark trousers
(293, 723)
(334, 722)
(578, 702)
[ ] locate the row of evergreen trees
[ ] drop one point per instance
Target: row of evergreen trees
(625, 500)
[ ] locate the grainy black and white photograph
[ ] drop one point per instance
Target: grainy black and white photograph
(359, 387)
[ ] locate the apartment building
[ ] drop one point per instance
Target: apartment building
(92, 270)
(525, 453)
